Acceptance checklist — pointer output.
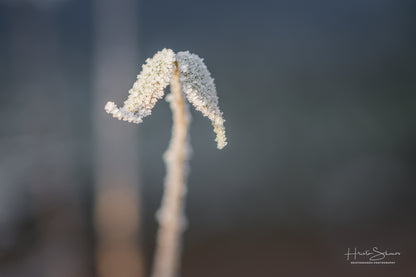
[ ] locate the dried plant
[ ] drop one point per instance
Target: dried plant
(188, 76)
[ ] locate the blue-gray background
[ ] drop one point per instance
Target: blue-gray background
(319, 101)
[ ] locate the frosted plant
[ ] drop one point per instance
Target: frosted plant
(200, 91)
(154, 78)
(188, 76)
(196, 83)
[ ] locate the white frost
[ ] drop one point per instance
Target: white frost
(196, 83)
(148, 89)
(199, 88)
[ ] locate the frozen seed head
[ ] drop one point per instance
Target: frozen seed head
(196, 83)
(199, 88)
(154, 78)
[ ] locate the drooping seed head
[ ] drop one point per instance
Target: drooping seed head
(199, 88)
(196, 83)
(149, 87)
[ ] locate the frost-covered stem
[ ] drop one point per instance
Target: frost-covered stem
(170, 216)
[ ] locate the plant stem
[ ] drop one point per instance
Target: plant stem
(170, 216)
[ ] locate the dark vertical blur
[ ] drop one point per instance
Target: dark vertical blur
(41, 197)
(319, 101)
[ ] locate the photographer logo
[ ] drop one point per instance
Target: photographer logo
(371, 256)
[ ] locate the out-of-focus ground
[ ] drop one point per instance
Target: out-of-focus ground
(319, 101)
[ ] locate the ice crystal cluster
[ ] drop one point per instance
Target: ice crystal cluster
(154, 78)
(196, 84)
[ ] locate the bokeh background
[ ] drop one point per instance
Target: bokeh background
(320, 107)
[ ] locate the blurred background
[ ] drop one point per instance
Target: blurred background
(320, 103)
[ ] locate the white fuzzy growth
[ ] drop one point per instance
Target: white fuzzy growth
(147, 90)
(121, 113)
(196, 82)
(199, 88)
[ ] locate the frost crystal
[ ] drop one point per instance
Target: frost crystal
(196, 83)
(148, 88)
(200, 91)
